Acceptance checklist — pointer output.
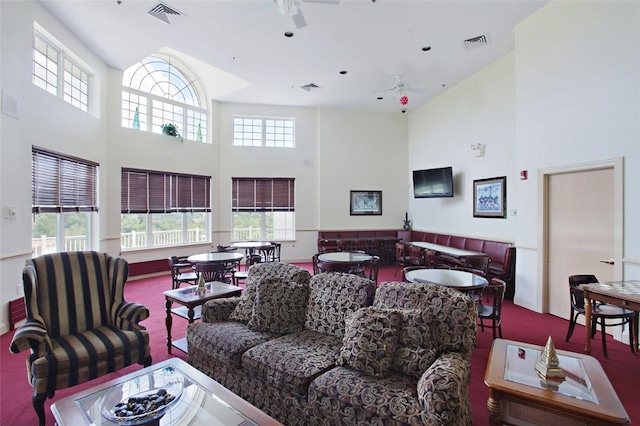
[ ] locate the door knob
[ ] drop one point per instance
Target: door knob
(608, 261)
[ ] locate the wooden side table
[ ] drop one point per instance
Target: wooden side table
(192, 302)
(518, 396)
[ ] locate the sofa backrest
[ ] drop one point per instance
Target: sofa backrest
(72, 292)
(436, 320)
(333, 296)
(258, 271)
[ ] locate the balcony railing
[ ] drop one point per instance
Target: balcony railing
(132, 240)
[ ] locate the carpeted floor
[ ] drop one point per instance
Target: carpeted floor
(622, 367)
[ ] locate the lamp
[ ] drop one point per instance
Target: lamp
(478, 149)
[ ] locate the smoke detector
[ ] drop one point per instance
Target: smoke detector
(309, 87)
(166, 13)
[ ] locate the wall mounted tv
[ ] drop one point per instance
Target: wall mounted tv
(433, 183)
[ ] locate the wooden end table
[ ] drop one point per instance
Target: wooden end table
(518, 396)
(192, 302)
(203, 402)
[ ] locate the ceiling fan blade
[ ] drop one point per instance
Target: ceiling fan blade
(298, 19)
(385, 90)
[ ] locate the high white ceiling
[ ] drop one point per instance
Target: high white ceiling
(239, 50)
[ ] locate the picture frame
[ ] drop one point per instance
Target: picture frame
(490, 197)
(365, 203)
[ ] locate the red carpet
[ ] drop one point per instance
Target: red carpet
(622, 367)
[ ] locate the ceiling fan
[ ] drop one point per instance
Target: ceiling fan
(292, 8)
(400, 88)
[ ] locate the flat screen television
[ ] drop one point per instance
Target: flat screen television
(433, 183)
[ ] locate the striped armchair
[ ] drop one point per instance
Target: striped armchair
(78, 325)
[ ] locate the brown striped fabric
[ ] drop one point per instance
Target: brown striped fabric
(79, 326)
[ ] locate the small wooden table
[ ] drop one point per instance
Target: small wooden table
(215, 257)
(203, 401)
(518, 396)
(192, 301)
(451, 251)
(625, 294)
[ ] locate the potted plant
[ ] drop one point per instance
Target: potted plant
(170, 129)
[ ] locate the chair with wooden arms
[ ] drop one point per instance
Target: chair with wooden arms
(79, 326)
(277, 247)
(480, 263)
(493, 310)
(242, 275)
(373, 269)
(181, 272)
(600, 312)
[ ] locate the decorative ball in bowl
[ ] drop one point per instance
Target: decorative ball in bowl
(141, 408)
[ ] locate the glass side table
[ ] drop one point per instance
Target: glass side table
(517, 395)
(203, 401)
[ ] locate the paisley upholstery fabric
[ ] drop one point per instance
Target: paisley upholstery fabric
(287, 272)
(269, 311)
(346, 396)
(292, 361)
(295, 377)
(333, 296)
(370, 340)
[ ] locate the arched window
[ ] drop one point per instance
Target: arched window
(158, 91)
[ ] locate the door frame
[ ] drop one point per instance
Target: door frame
(543, 218)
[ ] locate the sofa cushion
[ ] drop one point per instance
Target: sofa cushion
(436, 319)
(244, 308)
(345, 396)
(370, 340)
(279, 306)
(292, 361)
(225, 340)
(333, 296)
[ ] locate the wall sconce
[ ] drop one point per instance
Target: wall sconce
(478, 149)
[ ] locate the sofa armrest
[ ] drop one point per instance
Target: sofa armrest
(31, 335)
(443, 390)
(219, 309)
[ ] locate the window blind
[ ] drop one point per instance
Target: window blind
(263, 194)
(62, 183)
(147, 191)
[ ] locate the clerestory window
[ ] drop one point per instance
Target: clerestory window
(159, 94)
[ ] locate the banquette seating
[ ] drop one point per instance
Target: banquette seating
(502, 254)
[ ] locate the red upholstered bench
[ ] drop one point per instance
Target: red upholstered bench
(501, 253)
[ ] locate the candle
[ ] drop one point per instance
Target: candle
(406, 216)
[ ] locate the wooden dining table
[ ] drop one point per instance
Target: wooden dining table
(450, 251)
(625, 294)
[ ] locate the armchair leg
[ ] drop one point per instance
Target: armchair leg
(146, 362)
(38, 404)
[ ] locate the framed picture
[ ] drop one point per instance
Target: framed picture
(490, 197)
(366, 202)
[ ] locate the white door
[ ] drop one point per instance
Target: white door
(581, 231)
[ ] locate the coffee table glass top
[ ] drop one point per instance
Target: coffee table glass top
(520, 366)
(196, 406)
(212, 289)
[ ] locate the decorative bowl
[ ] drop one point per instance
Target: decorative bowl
(143, 407)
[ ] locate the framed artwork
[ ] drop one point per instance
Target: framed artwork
(366, 203)
(490, 197)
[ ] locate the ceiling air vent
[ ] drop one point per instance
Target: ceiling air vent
(474, 42)
(166, 13)
(309, 87)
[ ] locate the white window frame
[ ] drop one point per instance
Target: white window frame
(154, 111)
(149, 240)
(90, 242)
(69, 79)
(267, 132)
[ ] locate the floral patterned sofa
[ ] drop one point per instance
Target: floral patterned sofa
(334, 349)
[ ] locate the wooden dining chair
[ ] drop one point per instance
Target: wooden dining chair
(212, 271)
(402, 257)
(600, 313)
(408, 269)
(181, 272)
(493, 311)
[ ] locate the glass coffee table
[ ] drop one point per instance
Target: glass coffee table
(203, 401)
(517, 395)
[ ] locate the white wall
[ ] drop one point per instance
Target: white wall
(481, 109)
(351, 150)
(569, 93)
